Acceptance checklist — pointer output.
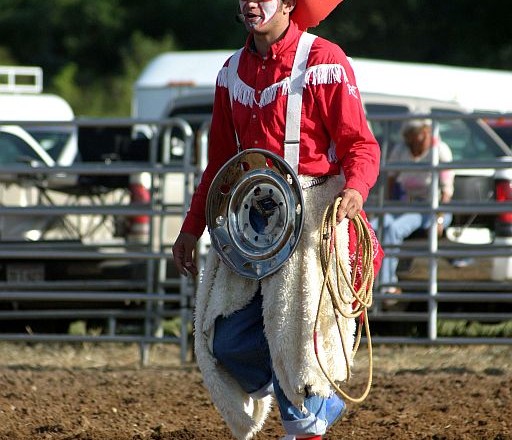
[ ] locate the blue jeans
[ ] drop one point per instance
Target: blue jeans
(395, 230)
(241, 348)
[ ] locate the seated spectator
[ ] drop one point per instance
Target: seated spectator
(413, 186)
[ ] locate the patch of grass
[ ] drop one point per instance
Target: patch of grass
(172, 327)
(473, 329)
(79, 328)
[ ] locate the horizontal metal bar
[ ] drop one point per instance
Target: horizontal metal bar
(482, 317)
(434, 116)
(86, 296)
(479, 251)
(473, 297)
(487, 207)
(379, 315)
(39, 171)
(440, 297)
(91, 253)
(409, 297)
(61, 210)
(90, 210)
(13, 315)
(487, 287)
(129, 121)
(76, 285)
(84, 255)
(376, 340)
(383, 340)
(46, 337)
(114, 168)
(101, 122)
(462, 165)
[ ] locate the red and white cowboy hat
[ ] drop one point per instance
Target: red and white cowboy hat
(309, 13)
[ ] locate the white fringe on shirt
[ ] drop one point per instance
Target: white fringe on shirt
(315, 75)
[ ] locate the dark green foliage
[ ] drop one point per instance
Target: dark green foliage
(458, 32)
(92, 50)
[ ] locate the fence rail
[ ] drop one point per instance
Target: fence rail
(132, 291)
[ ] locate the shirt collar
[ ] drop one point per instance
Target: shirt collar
(290, 37)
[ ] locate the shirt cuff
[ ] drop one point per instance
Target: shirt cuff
(359, 186)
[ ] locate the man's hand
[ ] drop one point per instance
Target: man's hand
(351, 204)
(183, 252)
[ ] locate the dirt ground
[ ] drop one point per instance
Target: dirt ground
(93, 392)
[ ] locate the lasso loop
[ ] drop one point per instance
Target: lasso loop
(335, 283)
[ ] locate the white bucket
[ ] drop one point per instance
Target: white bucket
(469, 235)
(502, 266)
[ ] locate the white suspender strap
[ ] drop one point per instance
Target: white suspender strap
(294, 105)
(232, 73)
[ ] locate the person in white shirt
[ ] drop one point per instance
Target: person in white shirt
(413, 186)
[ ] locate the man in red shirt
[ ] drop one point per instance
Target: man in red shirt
(254, 339)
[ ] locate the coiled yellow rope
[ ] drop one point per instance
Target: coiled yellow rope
(358, 300)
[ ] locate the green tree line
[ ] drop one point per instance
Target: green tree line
(92, 51)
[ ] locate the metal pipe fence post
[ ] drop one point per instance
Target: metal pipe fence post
(433, 236)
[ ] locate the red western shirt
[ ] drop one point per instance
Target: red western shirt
(334, 136)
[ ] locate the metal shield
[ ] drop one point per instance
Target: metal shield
(254, 213)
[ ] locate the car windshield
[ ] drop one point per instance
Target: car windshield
(466, 137)
(52, 139)
(503, 127)
(15, 150)
(505, 132)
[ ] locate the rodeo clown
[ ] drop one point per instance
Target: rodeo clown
(293, 95)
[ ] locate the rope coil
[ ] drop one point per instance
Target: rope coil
(359, 300)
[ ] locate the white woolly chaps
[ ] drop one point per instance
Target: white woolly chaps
(290, 303)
